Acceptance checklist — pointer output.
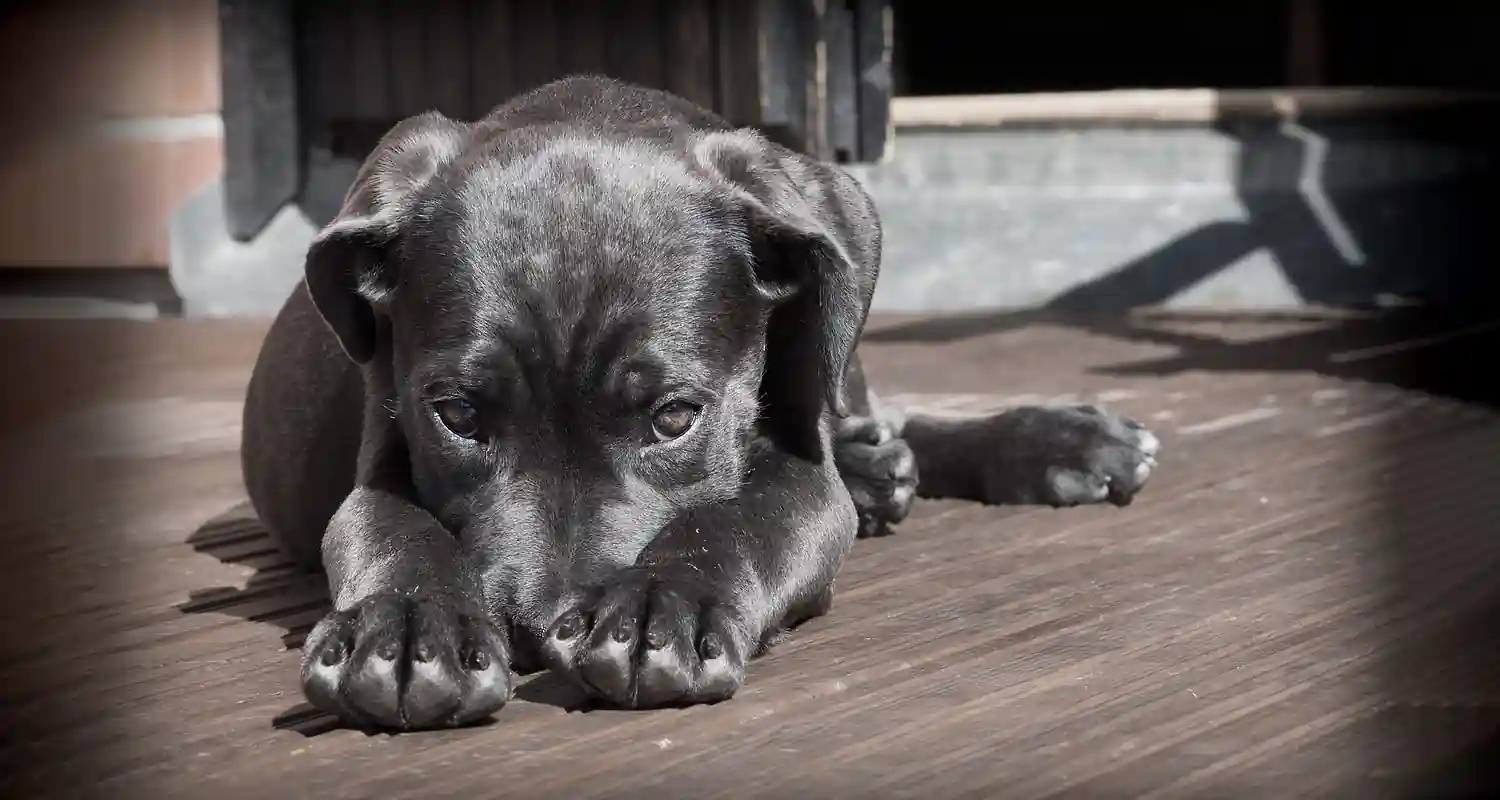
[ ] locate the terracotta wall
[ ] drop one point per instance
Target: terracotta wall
(108, 120)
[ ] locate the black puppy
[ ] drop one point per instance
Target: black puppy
(574, 386)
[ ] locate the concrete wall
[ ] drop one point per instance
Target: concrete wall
(1085, 217)
(1262, 215)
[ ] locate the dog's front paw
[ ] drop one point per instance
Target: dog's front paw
(407, 663)
(1072, 455)
(880, 473)
(650, 637)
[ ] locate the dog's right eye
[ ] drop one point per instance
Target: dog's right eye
(458, 416)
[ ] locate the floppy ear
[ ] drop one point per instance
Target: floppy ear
(816, 242)
(351, 265)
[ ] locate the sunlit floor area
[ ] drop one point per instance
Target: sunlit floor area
(1302, 603)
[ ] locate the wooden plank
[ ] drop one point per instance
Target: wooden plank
(691, 70)
(1263, 621)
(492, 55)
(406, 32)
(588, 34)
(262, 146)
(787, 67)
(635, 44)
(326, 72)
(841, 64)
(817, 135)
(445, 57)
(738, 54)
(428, 58)
(538, 43)
(875, 29)
(369, 60)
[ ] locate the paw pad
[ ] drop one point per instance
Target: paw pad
(646, 640)
(456, 668)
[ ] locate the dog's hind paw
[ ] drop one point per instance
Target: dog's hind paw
(1066, 456)
(650, 637)
(407, 663)
(880, 473)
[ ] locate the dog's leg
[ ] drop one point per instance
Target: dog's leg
(709, 591)
(1034, 455)
(409, 644)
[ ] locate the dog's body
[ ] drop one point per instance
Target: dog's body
(574, 386)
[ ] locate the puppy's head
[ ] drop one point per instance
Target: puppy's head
(583, 334)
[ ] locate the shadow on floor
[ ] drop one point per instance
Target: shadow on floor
(288, 597)
(1435, 511)
(1437, 352)
(279, 593)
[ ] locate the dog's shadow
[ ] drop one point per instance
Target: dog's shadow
(279, 592)
(283, 594)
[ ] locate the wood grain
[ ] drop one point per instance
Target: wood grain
(1301, 604)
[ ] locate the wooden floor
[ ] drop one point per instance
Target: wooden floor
(1304, 601)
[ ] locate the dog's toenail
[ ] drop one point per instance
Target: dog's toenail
(334, 653)
(425, 652)
(569, 628)
(624, 632)
(388, 651)
(477, 660)
(657, 638)
(711, 648)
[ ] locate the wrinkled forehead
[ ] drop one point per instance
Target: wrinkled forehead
(620, 198)
(588, 241)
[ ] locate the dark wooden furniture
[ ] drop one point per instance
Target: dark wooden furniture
(309, 78)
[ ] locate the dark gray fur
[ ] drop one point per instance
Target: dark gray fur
(587, 251)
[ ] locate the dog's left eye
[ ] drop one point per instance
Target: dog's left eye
(458, 416)
(673, 420)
